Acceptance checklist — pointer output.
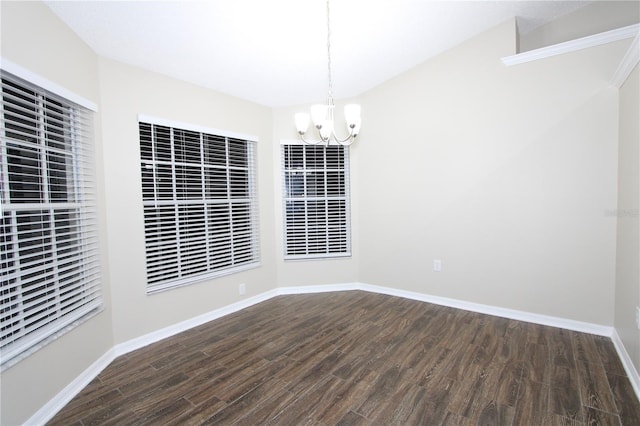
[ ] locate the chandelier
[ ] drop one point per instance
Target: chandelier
(322, 115)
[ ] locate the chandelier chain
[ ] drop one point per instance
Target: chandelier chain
(323, 116)
(330, 100)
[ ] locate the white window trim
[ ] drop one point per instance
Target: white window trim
(38, 80)
(34, 341)
(195, 127)
(212, 274)
(315, 256)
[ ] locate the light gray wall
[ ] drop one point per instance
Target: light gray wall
(504, 174)
(627, 291)
(35, 39)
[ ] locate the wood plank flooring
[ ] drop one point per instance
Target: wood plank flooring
(356, 358)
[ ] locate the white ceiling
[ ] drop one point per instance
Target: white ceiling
(274, 52)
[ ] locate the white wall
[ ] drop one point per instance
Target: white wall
(627, 291)
(33, 38)
(504, 174)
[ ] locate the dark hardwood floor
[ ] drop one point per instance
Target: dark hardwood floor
(356, 358)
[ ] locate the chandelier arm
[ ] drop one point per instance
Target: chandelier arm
(346, 141)
(311, 142)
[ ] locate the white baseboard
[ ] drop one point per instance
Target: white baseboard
(568, 324)
(547, 320)
(51, 408)
(325, 288)
(147, 339)
(627, 362)
(63, 397)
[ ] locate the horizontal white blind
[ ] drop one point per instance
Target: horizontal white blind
(200, 205)
(49, 251)
(316, 201)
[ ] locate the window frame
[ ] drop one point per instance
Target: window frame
(183, 278)
(311, 251)
(66, 280)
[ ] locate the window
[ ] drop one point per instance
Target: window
(49, 251)
(316, 201)
(200, 204)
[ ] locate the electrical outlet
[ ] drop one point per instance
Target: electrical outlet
(242, 289)
(437, 265)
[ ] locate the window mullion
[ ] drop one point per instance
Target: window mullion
(205, 211)
(44, 161)
(78, 176)
(75, 157)
(346, 196)
(6, 199)
(232, 238)
(176, 206)
(305, 196)
(43, 150)
(326, 201)
(17, 262)
(4, 179)
(154, 164)
(251, 169)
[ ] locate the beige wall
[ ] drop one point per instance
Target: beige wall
(627, 292)
(35, 39)
(311, 272)
(504, 174)
(126, 92)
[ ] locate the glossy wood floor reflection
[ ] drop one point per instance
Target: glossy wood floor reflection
(356, 358)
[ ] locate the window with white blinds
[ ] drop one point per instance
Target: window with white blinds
(49, 251)
(200, 205)
(316, 201)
